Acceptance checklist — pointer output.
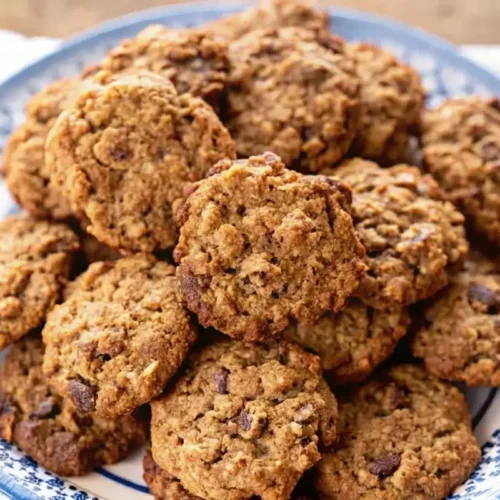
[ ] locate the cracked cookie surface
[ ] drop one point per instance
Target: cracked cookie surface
(48, 427)
(24, 168)
(410, 233)
(119, 337)
(461, 147)
(261, 245)
(124, 154)
(391, 101)
(352, 342)
(260, 412)
(293, 92)
(460, 338)
(195, 61)
(35, 261)
(402, 435)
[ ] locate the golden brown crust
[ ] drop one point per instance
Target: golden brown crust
(410, 233)
(49, 428)
(35, 261)
(293, 92)
(261, 245)
(119, 337)
(124, 154)
(261, 412)
(403, 435)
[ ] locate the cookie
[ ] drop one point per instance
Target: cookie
(403, 435)
(193, 60)
(35, 260)
(48, 427)
(261, 413)
(461, 146)
(269, 15)
(410, 233)
(124, 154)
(392, 99)
(24, 168)
(460, 337)
(353, 342)
(119, 337)
(293, 92)
(261, 246)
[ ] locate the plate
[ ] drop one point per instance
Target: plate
(445, 73)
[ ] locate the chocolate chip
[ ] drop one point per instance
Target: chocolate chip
(385, 465)
(304, 414)
(485, 296)
(490, 152)
(46, 409)
(221, 379)
(245, 420)
(82, 396)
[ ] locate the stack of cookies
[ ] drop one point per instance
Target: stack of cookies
(225, 241)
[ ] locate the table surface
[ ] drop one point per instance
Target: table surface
(460, 21)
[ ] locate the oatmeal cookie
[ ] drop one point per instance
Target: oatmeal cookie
(261, 246)
(353, 342)
(194, 61)
(392, 99)
(293, 92)
(48, 428)
(261, 412)
(119, 337)
(24, 168)
(35, 260)
(268, 15)
(461, 145)
(460, 338)
(410, 233)
(402, 436)
(125, 152)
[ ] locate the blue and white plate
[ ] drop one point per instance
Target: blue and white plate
(445, 73)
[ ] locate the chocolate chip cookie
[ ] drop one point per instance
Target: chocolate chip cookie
(460, 337)
(392, 99)
(193, 60)
(410, 233)
(49, 428)
(353, 342)
(269, 15)
(402, 435)
(243, 420)
(293, 92)
(24, 168)
(261, 246)
(35, 260)
(461, 146)
(119, 337)
(125, 152)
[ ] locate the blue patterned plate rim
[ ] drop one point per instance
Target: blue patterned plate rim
(124, 25)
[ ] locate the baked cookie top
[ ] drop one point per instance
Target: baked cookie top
(410, 233)
(293, 92)
(260, 413)
(119, 337)
(49, 428)
(269, 15)
(461, 146)
(125, 152)
(35, 260)
(195, 61)
(402, 435)
(353, 342)
(261, 246)
(24, 168)
(460, 336)
(392, 99)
